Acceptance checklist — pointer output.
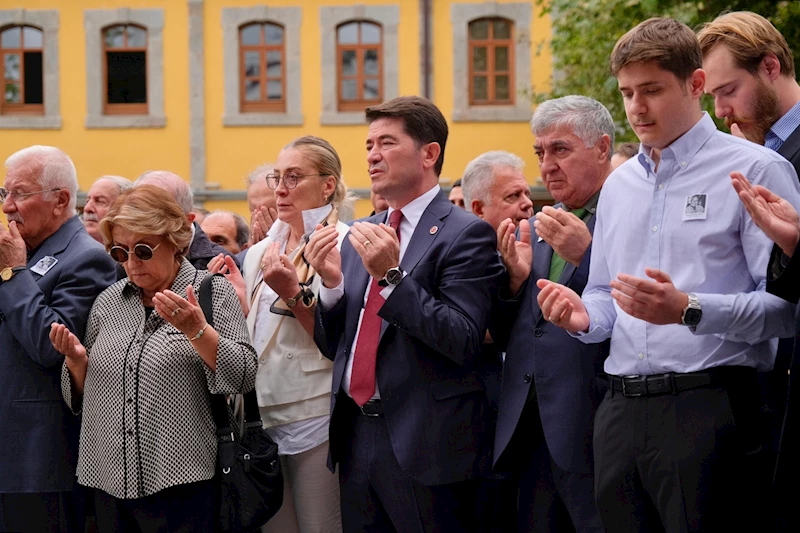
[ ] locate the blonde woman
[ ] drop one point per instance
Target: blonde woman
(294, 379)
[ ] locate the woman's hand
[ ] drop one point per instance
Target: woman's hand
(322, 254)
(225, 265)
(184, 314)
(65, 342)
(279, 272)
(74, 354)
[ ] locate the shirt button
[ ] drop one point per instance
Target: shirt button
(130, 368)
(262, 360)
(538, 332)
(641, 356)
(289, 355)
(130, 432)
(527, 378)
(683, 163)
(655, 228)
(130, 400)
(660, 186)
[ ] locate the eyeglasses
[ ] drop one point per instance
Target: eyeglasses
(5, 194)
(142, 252)
(290, 179)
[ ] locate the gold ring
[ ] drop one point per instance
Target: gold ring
(175, 311)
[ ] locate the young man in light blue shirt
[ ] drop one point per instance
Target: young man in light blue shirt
(681, 296)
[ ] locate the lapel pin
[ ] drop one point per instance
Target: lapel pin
(434, 229)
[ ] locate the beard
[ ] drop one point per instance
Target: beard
(764, 113)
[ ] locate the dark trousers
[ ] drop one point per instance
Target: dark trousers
(188, 508)
(549, 499)
(378, 496)
(688, 462)
(42, 512)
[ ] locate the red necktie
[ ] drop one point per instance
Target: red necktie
(362, 380)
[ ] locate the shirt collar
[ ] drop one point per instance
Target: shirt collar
(786, 125)
(413, 210)
(279, 232)
(590, 206)
(684, 148)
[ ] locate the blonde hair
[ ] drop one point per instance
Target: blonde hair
(148, 210)
(325, 160)
(749, 37)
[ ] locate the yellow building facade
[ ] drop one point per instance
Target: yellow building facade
(202, 118)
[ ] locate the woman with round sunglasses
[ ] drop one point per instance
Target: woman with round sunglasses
(142, 375)
(294, 379)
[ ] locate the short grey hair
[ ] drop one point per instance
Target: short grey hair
(172, 183)
(588, 119)
(478, 178)
(123, 184)
(259, 174)
(52, 167)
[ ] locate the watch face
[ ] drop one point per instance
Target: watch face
(692, 317)
(394, 275)
(6, 274)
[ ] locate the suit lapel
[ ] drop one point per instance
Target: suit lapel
(272, 325)
(424, 235)
(542, 256)
(790, 148)
(58, 241)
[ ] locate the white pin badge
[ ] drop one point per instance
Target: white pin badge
(44, 265)
(434, 229)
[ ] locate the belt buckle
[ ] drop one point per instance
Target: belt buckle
(629, 381)
(364, 413)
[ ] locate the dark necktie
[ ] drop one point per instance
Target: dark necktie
(558, 263)
(362, 380)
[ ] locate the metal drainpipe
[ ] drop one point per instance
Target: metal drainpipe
(426, 71)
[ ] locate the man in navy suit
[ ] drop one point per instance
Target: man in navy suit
(51, 270)
(551, 389)
(403, 314)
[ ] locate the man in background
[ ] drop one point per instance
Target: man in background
(101, 195)
(227, 229)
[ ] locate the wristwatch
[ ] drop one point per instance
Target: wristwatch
(291, 302)
(8, 272)
(393, 277)
(305, 295)
(692, 313)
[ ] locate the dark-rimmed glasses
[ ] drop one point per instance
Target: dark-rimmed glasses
(5, 194)
(290, 179)
(142, 251)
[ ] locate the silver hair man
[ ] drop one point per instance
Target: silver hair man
(57, 170)
(588, 119)
(479, 176)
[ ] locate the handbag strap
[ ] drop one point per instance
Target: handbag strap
(219, 405)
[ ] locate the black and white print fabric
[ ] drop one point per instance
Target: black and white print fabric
(147, 422)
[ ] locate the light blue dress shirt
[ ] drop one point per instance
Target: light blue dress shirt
(783, 128)
(717, 253)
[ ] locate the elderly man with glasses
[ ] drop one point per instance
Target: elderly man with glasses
(51, 270)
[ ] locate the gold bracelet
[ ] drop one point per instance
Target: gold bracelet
(199, 333)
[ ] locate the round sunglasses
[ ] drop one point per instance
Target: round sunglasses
(142, 252)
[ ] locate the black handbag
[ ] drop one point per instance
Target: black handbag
(249, 478)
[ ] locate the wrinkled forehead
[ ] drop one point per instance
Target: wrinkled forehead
(22, 175)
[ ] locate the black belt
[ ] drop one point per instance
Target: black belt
(371, 408)
(670, 383)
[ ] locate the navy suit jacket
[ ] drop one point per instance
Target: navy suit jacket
(433, 397)
(564, 370)
(39, 447)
